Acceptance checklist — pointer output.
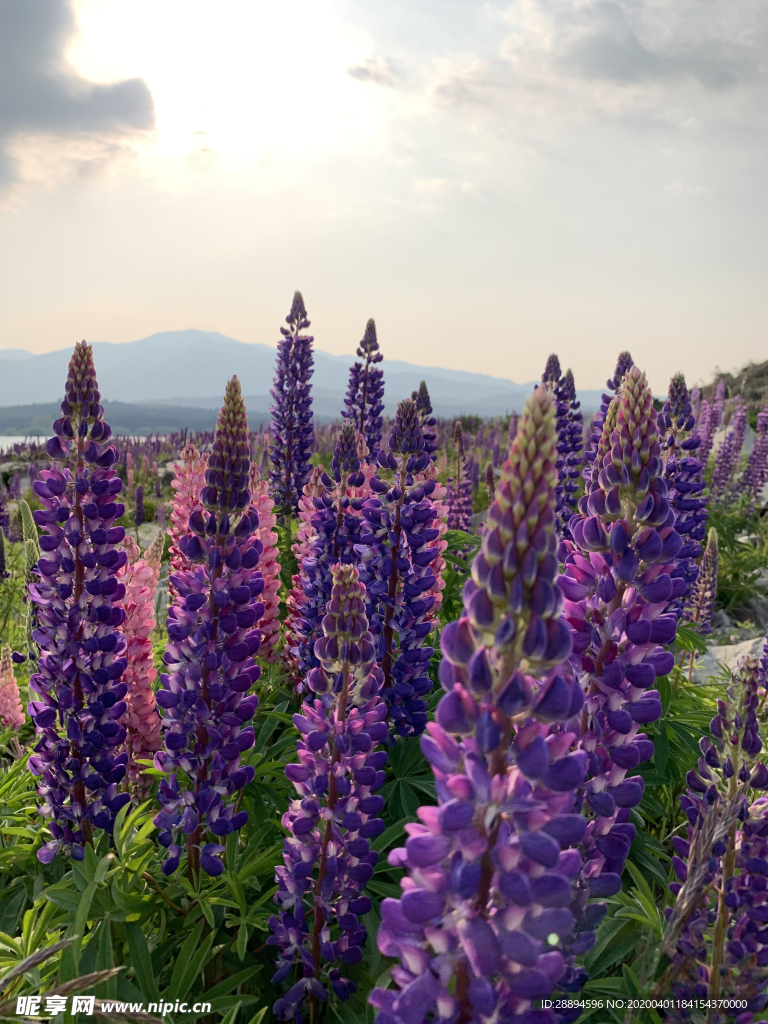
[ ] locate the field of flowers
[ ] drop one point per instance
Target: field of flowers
(401, 722)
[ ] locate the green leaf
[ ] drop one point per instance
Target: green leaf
(140, 961)
(183, 959)
(63, 895)
(661, 751)
(242, 940)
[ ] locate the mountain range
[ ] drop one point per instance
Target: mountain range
(182, 370)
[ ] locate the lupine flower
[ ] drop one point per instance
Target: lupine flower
(719, 405)
(728, 457)
(490, 480)
(31, 556)
(365, 392)
(395, 547)
(696, 403)
(684, 476)
(570, 430)
(3, 570)
(700, 605)
(336, 529)
(706, 427)
(138, 512)
(618, 588)
(129, 471)
(291, 425)
(488, 892)
(613, 384)
(78, 688)
(11, 714)
(460, 487)
(426, 420)
(210, 654)
(188, 481)
(756, 473)
(269, 624)
(327, 858)
(140, 577)
(715, 933)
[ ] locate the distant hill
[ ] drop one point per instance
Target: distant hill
(190, 369)
(123, 417)
(751, 382)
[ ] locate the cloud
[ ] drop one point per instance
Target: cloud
(378, 71)
(41, 94)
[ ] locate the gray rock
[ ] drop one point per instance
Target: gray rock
(712, 664)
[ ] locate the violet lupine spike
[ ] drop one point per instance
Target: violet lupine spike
(327, 859)
(711, 946)
(696, 403)
(336, 530)
(365, 393)
(460, 487)
(570, 443)
(719, 403)
(552, 373)
(706, 425)
(618, 587)
(291, 426)
(756, 473)
(398, 555)
(426, 420)
(11, 713)
(684, 476)
(78, 692)
(486, 922)
(210, 656)
(722, 490)
(623, 363)
(138, 512)
(700, 605)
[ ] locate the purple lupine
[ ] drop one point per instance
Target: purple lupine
(336, 530)
(459, 498)
(719, 403)
(78, 693)
(138, 512)
(706, 428)
(700, 605)
(426, 420)
(715, 934)
(623, 363)
(327, 859)
(397, 531)
(684, 476)
(210, 652)
(490, 481)
(728, 457)
(365, 393)
(618, 588)
(291, 424)
(570, 442)
(484, 921)
(695, 403)
(756, 473)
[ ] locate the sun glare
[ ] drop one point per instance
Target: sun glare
(239, 78)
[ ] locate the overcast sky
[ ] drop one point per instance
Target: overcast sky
(490, 181)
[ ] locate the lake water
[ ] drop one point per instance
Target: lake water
(7, 441)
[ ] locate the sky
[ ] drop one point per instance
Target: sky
(491, 181)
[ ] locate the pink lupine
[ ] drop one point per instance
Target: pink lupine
(188, 480)
(11, 713)
(269, 623)
(140, 577)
